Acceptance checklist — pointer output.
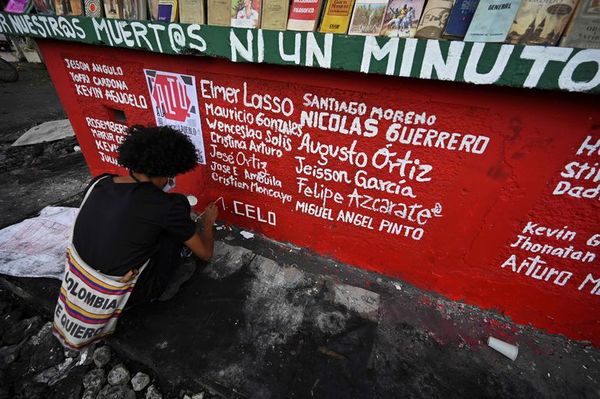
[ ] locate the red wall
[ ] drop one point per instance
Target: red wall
(478, 203)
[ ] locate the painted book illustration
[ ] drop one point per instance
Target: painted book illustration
(584, 29)
(336, 17)
(167, 10)
(492, 20)
(93, 8)
(275, 14)
(367, 17)
(18, 6)
(68, 7)
(191, 11)
(245, 13)
(219, 12)
(460, 18)
(44, 7)
(541, 21)
(121, 9)
(153, 9)
(402, 18)
(434, 19)
(304, 15)
(142, 6)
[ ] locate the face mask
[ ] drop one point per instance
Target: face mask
(170, 185)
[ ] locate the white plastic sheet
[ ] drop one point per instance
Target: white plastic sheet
(46, 132)
(37, 247)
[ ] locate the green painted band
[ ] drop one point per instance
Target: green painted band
(552, 68)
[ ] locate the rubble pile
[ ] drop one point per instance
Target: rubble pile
(34, 365)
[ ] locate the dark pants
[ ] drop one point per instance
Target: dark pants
(155, 277)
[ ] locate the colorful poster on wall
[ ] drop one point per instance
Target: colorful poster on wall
(17, 6)
(43, 7)
(245, 13)
(175, 104)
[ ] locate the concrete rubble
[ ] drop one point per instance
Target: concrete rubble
(140, 381)
(101, 356)
(36, 366)
(359, 300)
(153, 393)
(94, 380)
(118, 375)
(116, 392)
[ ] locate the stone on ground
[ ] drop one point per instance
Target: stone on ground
(46, 330)
(86, 356)
(89, 394)
(71, 352)
(116, 392)
(153, 393)
(53, 374)
(356, 299)
(119, 375)
(140, 381)
(101, 356)
(94, 380)
(71, 387)
(49, 352)
(196, 396)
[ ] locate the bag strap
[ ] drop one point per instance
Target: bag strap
(90, 190)
(87, 194)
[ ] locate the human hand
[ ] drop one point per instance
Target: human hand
(210, 214)
(130, 275)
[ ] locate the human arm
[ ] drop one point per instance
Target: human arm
(202, 244)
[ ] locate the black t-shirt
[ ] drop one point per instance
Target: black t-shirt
(119, 225)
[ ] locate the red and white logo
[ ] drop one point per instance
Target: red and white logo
(171, 98)
(175, 104)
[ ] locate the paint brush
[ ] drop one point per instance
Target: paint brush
(214, 202)
(222, 202)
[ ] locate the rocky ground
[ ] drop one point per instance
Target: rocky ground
(34, 365)
(39, 175)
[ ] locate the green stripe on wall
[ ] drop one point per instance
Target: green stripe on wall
(553, 68)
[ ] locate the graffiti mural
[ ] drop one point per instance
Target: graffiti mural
(486, 195)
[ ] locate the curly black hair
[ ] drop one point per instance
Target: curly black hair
(157, 151)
